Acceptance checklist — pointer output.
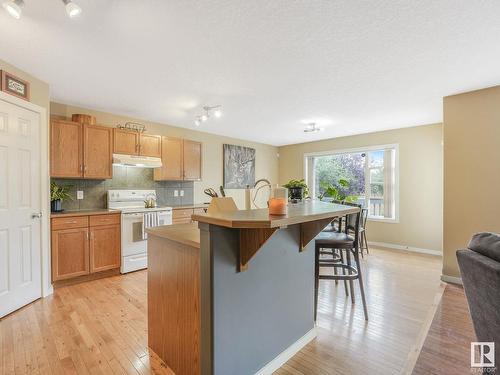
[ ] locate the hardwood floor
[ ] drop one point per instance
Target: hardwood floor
(101, 326)
(98, 327)
(400, 290)
(446, 349)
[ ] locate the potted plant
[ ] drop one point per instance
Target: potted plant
(297, 190)
(338, 191)
(58, 194)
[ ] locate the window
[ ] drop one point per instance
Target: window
(371, 174)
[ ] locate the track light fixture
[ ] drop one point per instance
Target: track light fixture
(13, 7)
(208, 110)
(72, 9)
(312, 128)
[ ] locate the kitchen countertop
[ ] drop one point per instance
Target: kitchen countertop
(187, 234)
(98, 211)
(297, 213)
(188, 206)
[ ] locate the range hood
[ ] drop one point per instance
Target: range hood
(136, 161)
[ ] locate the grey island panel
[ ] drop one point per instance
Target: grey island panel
(259, 313)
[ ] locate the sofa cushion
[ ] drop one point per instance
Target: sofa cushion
(487, 244)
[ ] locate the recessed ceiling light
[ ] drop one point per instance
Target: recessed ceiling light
(72, 9)
(312, 128)
(13, 7)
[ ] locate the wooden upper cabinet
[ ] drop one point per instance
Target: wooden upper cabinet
(171, 159)
(66, 149)
(126, 142)
(192, 160)
(98, 151)
(150, 145)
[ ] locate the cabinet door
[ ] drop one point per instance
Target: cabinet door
(192, 160)
(66, 149)
(97, 152)
(70, 253)
(105, 248)
(150, 145)
(126, 142)
(171, 159)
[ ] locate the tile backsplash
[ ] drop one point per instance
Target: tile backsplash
(94, 191)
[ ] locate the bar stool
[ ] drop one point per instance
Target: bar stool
(362, 232)
(342, 241)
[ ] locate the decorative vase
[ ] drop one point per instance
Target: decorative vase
(56, 206)
(296, 194)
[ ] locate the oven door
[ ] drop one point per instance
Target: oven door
(133, 241)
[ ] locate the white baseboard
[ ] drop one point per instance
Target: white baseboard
(288, 353)
(451, 279)
(406, 248)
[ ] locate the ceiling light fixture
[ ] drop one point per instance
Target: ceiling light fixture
(13, 7)
(312, 128)
(217, 112)
(72, 9)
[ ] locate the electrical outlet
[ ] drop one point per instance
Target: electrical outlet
(79, 194)
(182, 193)
(176, 193)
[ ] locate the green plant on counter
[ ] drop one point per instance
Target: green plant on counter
(337, 191)
(59, 192)
(298, 184)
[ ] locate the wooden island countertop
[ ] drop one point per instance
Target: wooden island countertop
(187, 234)
(298, 213)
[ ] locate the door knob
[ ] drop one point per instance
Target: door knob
(36, 216)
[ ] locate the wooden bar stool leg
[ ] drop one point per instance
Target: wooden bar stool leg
(343, 273)
(366, 242)
(316, 280)
(351, 283)
(361, 287)
(335, 268)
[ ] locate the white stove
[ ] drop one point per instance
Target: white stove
(136, 218)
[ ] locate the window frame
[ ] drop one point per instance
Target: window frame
(394, 146)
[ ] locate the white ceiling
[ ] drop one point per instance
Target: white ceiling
(351, 66)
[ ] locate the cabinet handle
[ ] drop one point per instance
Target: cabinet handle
(72, 222)
(81, 167)
(87, 236)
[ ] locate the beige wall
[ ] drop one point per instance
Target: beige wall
(420, 181)
(39, 90)
(266, 156)
(471, 169)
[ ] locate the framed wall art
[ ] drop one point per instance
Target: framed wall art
(14, 85)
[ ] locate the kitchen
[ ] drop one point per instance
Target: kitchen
(212, 188)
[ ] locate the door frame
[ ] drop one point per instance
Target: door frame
(47, 288)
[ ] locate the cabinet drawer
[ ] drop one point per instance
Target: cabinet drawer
(69, 222)
(182, 213)
(97, 220)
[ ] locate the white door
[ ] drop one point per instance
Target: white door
(20, 193)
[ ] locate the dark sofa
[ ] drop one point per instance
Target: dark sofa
(480, 271)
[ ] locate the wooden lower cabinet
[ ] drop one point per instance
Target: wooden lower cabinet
(70, 253)
(104, 248)
(92, 247)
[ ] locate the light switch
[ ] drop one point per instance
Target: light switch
(79, 194)
(182, 193)
(176, 193)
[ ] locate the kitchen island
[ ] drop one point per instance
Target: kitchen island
(234, 294)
